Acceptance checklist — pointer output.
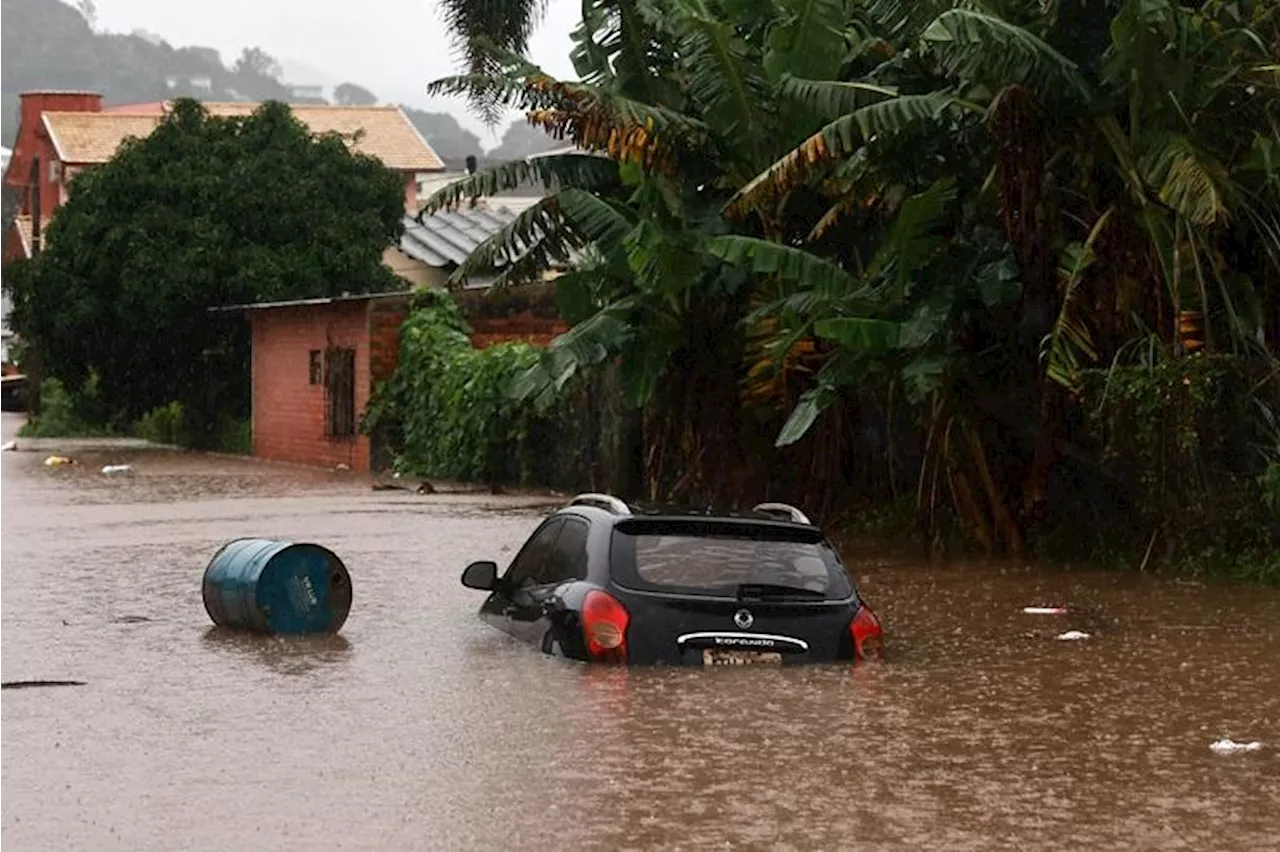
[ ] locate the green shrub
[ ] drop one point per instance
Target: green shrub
(164, 425)
(448, 405)
(62, 413)
(234, 436)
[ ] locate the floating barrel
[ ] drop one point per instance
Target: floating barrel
(277, 587)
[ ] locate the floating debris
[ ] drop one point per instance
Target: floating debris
(1071, 635)
(29, 684)
(1227, 746)
(1045, 610)
(58, 461)
(117, 470)
(8, 445)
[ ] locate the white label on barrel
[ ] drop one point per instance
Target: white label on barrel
(303, 593)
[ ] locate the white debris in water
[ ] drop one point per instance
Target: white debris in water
(1226, 746)
(8, 445)
(57, 461)
(1071, 635)
(1045, 610)
(117, 470)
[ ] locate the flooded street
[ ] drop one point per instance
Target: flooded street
(421, 728)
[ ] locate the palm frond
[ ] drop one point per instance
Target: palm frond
(791, 264)
(1070, 337)
(904, 19)
(480, 30)
(838, 140)
(831, 98)
(533, 242)
(721, 83)
(558, 171)
(585, 345)
(1186, 178)
(982, 48)
(807, 39)
(593, 117)
(912, 239)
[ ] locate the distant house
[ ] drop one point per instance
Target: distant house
(65, 132)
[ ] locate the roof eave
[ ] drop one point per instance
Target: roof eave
(306, 303)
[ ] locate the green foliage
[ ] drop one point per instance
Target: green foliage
(203, 212)
(449, 400)
(65, 414)
(963, 207)
(233, 436)
(164, 424)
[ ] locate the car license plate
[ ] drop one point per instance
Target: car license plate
(739, 658)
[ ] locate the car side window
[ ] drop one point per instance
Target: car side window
(527, 569)
(568, 558)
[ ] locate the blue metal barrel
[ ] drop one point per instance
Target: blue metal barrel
(277, 587)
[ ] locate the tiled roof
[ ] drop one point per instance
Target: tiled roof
(93, 137)
(448, 237)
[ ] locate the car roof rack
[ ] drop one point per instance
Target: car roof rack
(794, 514)
(604, 501)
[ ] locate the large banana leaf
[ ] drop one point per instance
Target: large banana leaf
(982, 48)
(840, 139)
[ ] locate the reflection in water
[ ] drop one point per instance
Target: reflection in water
(418, 727)
(286, 655)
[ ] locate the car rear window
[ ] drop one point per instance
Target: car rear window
(720, 559)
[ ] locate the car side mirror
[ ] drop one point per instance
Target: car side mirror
(481, 575)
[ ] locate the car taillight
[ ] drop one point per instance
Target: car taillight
(868, 638)
(604, 623)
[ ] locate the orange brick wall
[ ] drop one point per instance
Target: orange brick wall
(385, 319)
(288, 411)
(486, 331)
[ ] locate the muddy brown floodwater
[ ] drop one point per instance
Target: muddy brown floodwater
(421, 728)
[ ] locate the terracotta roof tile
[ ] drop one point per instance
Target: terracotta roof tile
(93, 137)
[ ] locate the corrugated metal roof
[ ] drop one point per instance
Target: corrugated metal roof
(448, 237)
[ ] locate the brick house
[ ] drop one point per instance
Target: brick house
(315, 365)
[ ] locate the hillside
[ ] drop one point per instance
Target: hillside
(48, 44)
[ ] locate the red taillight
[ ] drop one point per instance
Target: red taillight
(604, 624)
(868, 638)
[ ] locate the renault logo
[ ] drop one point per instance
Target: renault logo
(744, 619)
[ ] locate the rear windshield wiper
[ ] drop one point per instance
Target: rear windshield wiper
(773, 590)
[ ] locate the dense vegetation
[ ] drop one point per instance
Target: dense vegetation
(203, 212)
(902, 240)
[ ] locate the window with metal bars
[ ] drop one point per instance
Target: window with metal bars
(340, 393)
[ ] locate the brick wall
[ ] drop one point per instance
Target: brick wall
(288, 411)
(486, 331)
(385, 318)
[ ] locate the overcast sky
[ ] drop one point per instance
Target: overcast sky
(392, 47)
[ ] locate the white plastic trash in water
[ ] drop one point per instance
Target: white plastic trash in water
(1071, 635)
(1226, 746)
(57, 461)
(1045, 610)
(117, 470)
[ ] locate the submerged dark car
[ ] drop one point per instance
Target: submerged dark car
(601, 580)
